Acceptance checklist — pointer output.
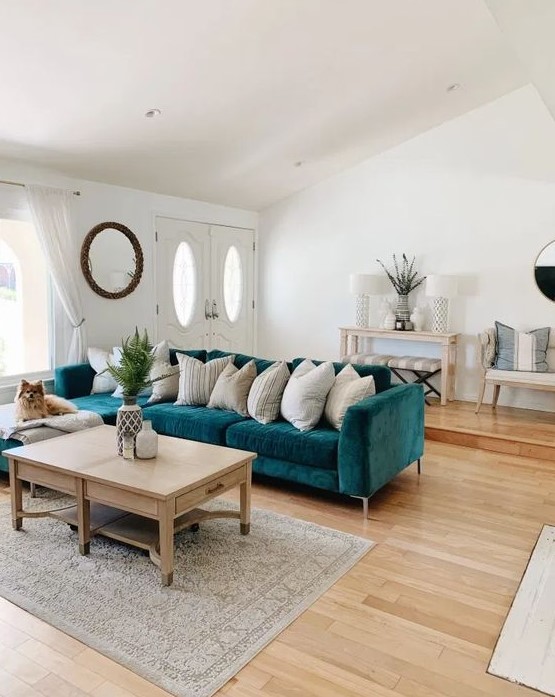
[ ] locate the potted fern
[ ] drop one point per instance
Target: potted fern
(404, 278)
(132, 373)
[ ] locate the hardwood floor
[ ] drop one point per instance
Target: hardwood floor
(418, 616)
(504, 429)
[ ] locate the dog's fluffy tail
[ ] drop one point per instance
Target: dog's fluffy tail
(57, 405)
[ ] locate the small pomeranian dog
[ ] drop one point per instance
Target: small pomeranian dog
(32, 403)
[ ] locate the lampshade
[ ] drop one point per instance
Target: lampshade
(441, 286)
(365, 284)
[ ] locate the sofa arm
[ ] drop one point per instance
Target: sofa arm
(380, 436)
(73, 380)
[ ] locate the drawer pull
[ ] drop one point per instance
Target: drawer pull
(212, 489)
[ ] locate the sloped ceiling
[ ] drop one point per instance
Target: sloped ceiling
(259, 99)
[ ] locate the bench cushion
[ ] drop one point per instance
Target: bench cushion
(521, 376)
(368, 358)
(429, 365)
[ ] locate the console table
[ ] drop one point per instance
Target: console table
(350, 338)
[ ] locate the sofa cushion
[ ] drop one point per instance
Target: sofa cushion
(192, 422)
(103, 404)
(194, 353)
(241, 359)
(381, 373)
(280, 439)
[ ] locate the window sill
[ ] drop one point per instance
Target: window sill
(9, 383)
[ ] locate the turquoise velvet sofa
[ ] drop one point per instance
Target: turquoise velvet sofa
(381, 435)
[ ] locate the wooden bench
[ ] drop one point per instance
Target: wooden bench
(510, 378)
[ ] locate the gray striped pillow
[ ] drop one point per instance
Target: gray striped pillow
(304, 398)
(521, 350)
(197, 379)
(266, 392)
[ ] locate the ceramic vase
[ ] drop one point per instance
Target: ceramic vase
(402, 311)
(389, 320)
(417, 318)
(146, 442)
(129, 420)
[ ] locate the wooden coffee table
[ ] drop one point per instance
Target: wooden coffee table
(140, 502)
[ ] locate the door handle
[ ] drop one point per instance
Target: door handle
(207, 314)
(215, 314)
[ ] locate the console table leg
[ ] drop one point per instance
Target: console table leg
(16, 491)
(445, 371)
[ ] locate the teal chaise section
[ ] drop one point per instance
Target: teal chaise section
(381, 435)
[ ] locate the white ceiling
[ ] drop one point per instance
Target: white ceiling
(247, 87)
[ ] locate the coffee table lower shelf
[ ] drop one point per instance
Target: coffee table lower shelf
(137, 531)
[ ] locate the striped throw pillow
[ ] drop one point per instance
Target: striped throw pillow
(266, 392)
(197, 379)
(521, 350)
(304, 398)
(348, 389)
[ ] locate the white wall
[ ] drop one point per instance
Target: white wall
(108, 320)
(474, 197)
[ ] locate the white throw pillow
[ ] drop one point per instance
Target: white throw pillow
(98, 359)
(232, 388)
(304, 398)
(266, 392)
(161, 353)
(197, 379)
(348, 389)
(167, 389)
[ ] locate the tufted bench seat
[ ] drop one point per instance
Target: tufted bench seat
(421, 367)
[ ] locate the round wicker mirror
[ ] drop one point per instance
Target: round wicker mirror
(112, 260)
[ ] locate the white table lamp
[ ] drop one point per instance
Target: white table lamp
(363, 285)
(441, 289)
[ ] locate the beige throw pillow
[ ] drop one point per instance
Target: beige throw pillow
(166, 389)
(304, 398)
(266, 392)
(348, 389)
(98, 359)
(232, 388)
(197, 379)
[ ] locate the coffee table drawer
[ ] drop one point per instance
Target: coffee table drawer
(209, 490)
(119, 498)
(41, 475)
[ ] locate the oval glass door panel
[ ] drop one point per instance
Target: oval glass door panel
(184, 283)
(233, 284)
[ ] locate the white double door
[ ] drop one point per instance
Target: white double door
(205, 282)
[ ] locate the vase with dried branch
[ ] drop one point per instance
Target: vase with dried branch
(404, 278)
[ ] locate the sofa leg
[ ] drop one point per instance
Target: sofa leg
(364, 500)
(419, 466)
(32, 490)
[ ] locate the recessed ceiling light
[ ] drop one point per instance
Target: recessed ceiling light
(299, 163)
(151, 113)
(454, 87)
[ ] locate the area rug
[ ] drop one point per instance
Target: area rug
(525, 650)
(231, 595)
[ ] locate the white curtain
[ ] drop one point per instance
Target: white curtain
(51, 213)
